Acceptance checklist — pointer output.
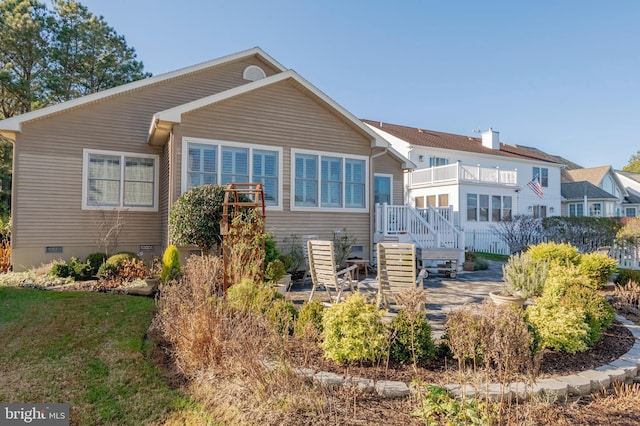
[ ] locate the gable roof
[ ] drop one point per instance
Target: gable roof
(163, 121)
(630, 175)
(14, 124)
(591, 174)
(569, 165)
(433, 139)
(577, 191)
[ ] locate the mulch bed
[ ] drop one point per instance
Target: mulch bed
(615, 342)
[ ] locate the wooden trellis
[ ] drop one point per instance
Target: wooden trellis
(238, 198)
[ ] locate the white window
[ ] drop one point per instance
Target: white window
(329, 181)
(223, 162)
(501, 208)
(119, 180)
(595, 210)
(543, 175)
(630, 212)
(438, 161)
(576, 209)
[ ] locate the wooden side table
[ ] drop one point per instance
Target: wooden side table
(361, 264)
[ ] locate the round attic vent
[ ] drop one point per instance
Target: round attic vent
(253, 73)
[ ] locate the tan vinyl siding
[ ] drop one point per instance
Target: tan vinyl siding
(282, 115)
(49, 157)
(387, 164)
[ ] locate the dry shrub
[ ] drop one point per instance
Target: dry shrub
(506, 342)
(5, 256)
(190, 318)
(463, 331)
(628, 295)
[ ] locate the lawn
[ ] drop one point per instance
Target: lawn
(90, 350)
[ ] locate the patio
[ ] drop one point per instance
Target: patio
(443, 294)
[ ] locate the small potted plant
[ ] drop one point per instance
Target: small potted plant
(524, 278)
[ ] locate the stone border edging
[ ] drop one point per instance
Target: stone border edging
(579, 384)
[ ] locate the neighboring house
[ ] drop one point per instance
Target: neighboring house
(483, 180)
(593, 191)
(631, 182)
(123, 156)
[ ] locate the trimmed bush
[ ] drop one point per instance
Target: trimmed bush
(353, 331)
(78, 270)
(554, 253)
(561, 329)
(95, 260)
(60, 269)
(599, 313)
(560, 278)
(599, 267)
(170, 264)
(308, 326)
(411, 339)
(626, 275)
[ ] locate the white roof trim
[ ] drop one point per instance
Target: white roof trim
(14, 124)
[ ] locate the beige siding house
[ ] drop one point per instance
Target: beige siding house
(123, 156)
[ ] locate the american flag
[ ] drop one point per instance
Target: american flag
(535, 186)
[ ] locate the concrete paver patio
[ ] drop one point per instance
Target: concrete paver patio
(443, 294)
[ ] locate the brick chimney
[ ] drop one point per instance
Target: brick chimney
(491, 139)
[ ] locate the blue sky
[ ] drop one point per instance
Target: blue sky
(563, 76)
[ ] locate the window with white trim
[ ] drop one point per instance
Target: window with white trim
(576, 209)
(119, 180)
(329, 181)
(382, 185)
(630, 212)
(543, 175)
(223, 162)
(438, 161)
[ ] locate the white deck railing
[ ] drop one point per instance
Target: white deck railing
(429, 228)
(457, 172)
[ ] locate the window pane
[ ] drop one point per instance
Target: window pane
(306, 180)
(506, 208)
(484, 208)
(265, 170)
(496, 204)
(443, 200)
(235, 165)
(139, 175)
(382, 189)
(544, 177)
(202, 165)
(104, 180)
(331, 182)
(354, 183)
(431, 200)
(472, 207)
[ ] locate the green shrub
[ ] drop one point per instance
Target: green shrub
(626, 275)
(560, 278)
(195, 217)
(480, 265)
(116, 259)
(107, 271)
(282, 315)
(554, 253)
(599, 313)
(60, 269)
(271, 252)
(559, 328)
(411, 339)
(247, 296)
(78, 270)
(308, 326)
(353, 331)
(95, 260)
(525, 274)
(170, 264)
(438, 407)
(275, 271)
(599, 267)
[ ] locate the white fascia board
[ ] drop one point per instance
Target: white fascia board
(393, 141)
(14, 124)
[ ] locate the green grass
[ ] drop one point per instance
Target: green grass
(87, 349)
(492, 256)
